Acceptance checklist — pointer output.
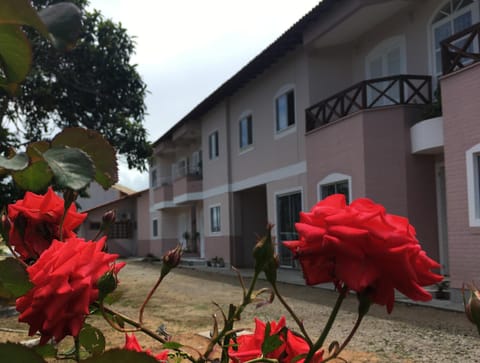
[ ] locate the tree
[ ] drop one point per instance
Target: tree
(93, 86)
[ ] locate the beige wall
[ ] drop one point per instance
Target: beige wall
(461, 110)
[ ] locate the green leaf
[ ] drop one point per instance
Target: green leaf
(46, 351)
(172, 345)
(92, 339)
(17, 162)
(36, 178)
(14, 281)
(21, 12)
(121, 356)
(71, 167)
(15, 55)
(270, 342)
(36, 149)
(64, 22)
(99, 149)
(13, 352)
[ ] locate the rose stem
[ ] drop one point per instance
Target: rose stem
(294, 316)
(132, 322)
(247, 297)
(347, 340)
(319, 343)
(77, 348)
(140, 315)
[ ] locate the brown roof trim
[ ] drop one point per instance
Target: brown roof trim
(288, 41)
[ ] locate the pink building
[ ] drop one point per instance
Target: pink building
(342, 102)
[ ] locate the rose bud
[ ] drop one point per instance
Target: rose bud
(171, 260)
(109, 217)
(106, 284)
(472, 308)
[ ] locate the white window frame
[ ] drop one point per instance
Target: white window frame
(155, 221)
(213, 147)
(289, 128)
(334, 178)
(474, 7)
(154, 181)
(473, 188)
(211, 208)
(244, 117)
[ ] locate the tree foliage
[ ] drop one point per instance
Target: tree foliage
(93, 85)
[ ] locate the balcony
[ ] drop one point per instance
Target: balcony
(163, 192)
(368, 94)
(187, 182)
(461, 49)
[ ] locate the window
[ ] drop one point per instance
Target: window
(245, 132)
(473, 185)
(153, 178)
(215, 219)
(121, 229)
(335, 183)
(155, 228)
(386, 59)
(213, 145)
(285, 110)
(452, 18)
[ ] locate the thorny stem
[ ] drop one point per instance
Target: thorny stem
(347, 340)
(294, 316)
(231, 318)
(149, 296)
(138, 326)
(328, 326)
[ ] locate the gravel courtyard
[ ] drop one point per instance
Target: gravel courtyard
(183, 304)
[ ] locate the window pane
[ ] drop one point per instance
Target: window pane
(462, 22)
(281, 104)
(155, 228)
(291, 108)
(245, 131)
(442, 32)
(213, 145)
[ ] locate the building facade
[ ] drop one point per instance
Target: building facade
(342, 102)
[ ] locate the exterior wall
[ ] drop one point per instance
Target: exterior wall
(126, 209)
(373, 148)
(143, 225)
(337, 148)
(271, 150)
(215, 172)
(461, 111)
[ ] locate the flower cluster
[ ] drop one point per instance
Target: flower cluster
(249, 346)
(36, 221)
(363, 247)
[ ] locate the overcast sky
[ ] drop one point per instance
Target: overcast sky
(185, 49)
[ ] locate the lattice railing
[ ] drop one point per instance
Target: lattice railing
(385, 91)
(461, 49)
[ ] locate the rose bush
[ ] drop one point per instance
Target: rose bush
(64, 285)
(35, 222)
(363, 247)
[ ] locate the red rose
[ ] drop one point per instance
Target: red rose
(36, 221)
(64, 279)
(249, 346)
(365, 248)
(131, 343)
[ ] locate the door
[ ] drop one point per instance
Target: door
(288, 213)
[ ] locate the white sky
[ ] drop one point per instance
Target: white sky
(187, 48)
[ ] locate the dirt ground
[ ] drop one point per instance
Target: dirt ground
(183, 305)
